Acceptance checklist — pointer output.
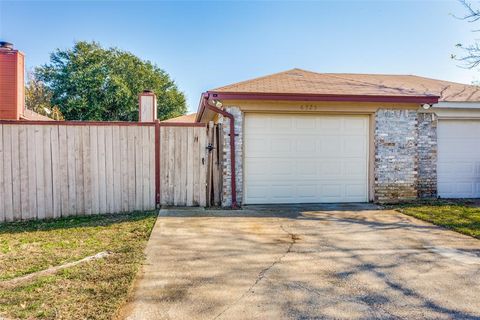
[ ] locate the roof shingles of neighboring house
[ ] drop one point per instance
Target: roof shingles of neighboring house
(33, 116)
(298, 82)
(185, 118)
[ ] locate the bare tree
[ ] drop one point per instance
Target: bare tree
(471, 52)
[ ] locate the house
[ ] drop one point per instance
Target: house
(306, 137)
(12, 86)
(187, 118)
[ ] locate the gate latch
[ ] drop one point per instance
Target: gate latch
(210, 147)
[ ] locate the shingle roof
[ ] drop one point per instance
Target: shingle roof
(298, 81)
(185, 118)
(33, 116)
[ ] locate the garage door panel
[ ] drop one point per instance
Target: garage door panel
(326, 163)
(331, 147)
(458, 165)
(352, 168)
(256, 144)
(456, 169)
(306, 168)
(354, 126)
(304, 124)
(355, 191)
(285, 191)
(280, 145)
(326, 124)
(258, 193)
(306, 145)
(258, 167)
(281, 167)
(329, 168)
(307, 191)
(354, 146)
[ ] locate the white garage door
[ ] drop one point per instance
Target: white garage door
(305, 158)
(459, 158)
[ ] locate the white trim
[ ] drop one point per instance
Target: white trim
(454, 110)
(457, 105)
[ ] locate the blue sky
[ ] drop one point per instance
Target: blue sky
(203, 45)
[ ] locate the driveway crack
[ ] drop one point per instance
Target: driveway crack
(261, 275)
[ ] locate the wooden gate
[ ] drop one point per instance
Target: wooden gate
(183, 164)
(215, 164)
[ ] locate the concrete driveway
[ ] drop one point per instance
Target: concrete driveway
(305, 262)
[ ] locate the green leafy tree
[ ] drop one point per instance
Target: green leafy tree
(38, 98)
(89, 82)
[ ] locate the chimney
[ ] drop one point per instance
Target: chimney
(12, 82)
(147, 106)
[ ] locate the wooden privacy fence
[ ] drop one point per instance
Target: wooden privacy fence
(83, 168)
(54, 169)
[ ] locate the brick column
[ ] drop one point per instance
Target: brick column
(227, 172)
(396, 155)
(427, 155)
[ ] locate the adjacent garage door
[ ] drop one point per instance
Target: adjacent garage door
(305, 158)
(459, 158)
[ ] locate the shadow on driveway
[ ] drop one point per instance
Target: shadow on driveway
(351, 261)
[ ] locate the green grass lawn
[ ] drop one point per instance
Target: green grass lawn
(94, 289)
(461, 216)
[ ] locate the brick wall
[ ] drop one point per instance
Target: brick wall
(396, 156)
(427, 155)
(227, 192)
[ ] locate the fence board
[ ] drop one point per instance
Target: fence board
(17, 211)
(40, 172)
(102, 181)
(124, 167)
(131, 169)
(196, 163)
(2, 193)
(109, 168)
(203, 168)
(32, 177)
(190, 167)
(72, 202)
(56, 184)
(63, 169)
(138, 170)
(94, 170)
(117, 194)
(145, 170)
(152, 167)
(170, 166)
(87, 170)
(7, 172)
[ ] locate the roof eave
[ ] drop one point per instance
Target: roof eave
(430, 99)
(418, 99)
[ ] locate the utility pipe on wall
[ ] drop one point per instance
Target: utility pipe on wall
(233, 180)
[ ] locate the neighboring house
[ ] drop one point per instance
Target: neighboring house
(185, 118)
(12, 86)
(305, 137)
